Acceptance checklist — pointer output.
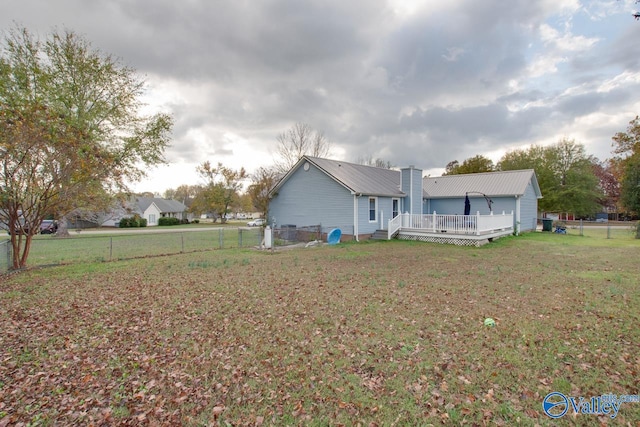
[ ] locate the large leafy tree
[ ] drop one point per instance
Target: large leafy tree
(71, 132)
(630, 187)
(262, 181)
(565, 175)
(221, 189)
(627, 162)
(609, 184)
(476, 164)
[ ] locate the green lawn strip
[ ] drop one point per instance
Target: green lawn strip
(388, 332)
(48, 250)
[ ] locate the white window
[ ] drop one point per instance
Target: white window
(373, 208)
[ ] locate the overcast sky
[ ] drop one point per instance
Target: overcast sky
(411, 82)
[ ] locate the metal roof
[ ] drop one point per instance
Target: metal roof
(375, 181)
(504, 183)
(361, 179)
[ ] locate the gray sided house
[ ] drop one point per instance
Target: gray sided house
(357, 199)
(360, 200)
(509, 191)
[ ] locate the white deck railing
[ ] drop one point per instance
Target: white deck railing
(455, 224)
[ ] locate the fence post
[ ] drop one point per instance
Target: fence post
(110, 248)
(182, 241)
(239, 237)
(220, 241)
(581, 229)
(608, 231)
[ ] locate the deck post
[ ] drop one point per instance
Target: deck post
(478, 223)
(434, 221)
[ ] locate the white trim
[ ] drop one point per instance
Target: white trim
(517, 219)
(410, 198)
(355, 217)
(375, 210)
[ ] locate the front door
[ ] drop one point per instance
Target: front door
(395, 207)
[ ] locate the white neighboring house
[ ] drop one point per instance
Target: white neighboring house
(150, 208)
(154, 208)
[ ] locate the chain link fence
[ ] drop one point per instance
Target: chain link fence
(291, 235)
(608, 230)
(49, 250)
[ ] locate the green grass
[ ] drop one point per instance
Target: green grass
(88, 248)
(602, 236)
(389, 333)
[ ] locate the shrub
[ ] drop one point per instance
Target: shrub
(133, 222)
(196, 221)
(184, 221)
(168, 221)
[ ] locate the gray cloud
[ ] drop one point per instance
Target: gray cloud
(447, 82)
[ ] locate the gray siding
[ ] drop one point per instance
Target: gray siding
(500, 204)
(384, 212)
(311, 198)
(455, 206)
(412, 185)
(528, 210)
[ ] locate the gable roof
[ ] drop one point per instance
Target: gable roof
(359, 179)
(504, 183)
(164, 205)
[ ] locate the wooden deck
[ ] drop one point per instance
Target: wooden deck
(462, 230)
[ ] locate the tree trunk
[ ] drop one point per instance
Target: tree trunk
(16, 241)
(63, 227)
(20, 250)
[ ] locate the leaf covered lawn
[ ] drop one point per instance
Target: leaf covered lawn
(387, 333)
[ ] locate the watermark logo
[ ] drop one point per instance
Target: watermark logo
(556, 404)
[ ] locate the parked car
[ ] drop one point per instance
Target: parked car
(48, 226)
(256, 223)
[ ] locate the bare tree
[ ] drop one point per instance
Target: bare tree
(377, 162)
(298, 141)
(184, 193)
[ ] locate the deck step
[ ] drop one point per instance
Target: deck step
(380, 235)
